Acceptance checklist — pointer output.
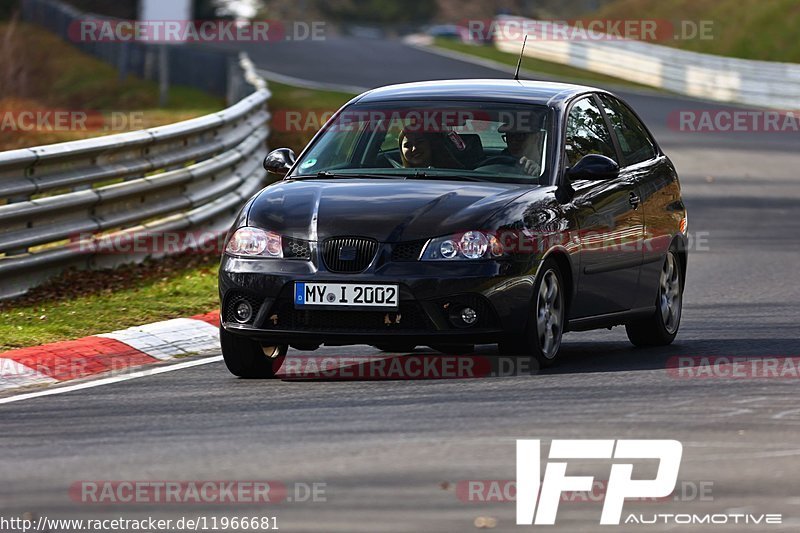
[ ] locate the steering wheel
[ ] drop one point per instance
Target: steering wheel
(508, 160)
(499, 163)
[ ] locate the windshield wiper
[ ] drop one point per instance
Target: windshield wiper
(366, 175)
(419, 175)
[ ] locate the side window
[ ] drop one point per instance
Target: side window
(634, 141)
(587, 132)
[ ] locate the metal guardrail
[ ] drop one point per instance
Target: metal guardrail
(56, 201)
(725, 79)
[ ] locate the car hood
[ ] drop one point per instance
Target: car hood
(385, 210)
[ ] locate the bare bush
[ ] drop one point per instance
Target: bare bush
(14, 71)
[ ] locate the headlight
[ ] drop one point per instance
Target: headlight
(463, 246)
(254, 242)
(473, 244)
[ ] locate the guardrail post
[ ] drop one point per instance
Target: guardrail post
(124, 52)
(17, 199)
(163, 76)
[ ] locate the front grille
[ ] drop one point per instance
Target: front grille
(230, 305)
(410, 317)
(407, 251)
(296, 248)
(348, 254)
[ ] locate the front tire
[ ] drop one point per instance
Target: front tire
(542, 337)
(661, 327)
(248, 359)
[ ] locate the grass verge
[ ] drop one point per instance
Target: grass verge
(80, 303)
(750, 29)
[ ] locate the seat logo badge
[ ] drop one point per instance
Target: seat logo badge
(347, 253)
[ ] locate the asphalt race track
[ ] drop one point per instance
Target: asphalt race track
(392, 453)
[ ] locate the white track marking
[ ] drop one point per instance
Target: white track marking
(110, 380)
(309, 84)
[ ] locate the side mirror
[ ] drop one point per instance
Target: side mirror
(593, 167)
(279, 161)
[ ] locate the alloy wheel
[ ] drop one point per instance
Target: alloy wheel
(670, 299)
(549, 315)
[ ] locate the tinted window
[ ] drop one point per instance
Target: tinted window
(634, 141)
(587, 132)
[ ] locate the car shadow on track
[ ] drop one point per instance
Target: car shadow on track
(583, 357)
(575, 358)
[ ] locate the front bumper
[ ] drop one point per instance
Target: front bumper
(499, 290)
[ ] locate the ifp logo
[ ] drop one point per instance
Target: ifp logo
(540, 507)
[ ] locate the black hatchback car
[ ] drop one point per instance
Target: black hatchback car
(455, 213)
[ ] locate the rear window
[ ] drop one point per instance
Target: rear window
(634, 141)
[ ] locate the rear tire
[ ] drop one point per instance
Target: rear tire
(541, 339)
(662, 326)
(247, 358)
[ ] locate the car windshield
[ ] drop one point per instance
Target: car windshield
(472, 141)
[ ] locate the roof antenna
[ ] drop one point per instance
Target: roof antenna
(519, 61)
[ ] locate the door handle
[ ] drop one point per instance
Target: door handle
(634, 200)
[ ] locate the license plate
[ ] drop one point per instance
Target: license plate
(343, 295)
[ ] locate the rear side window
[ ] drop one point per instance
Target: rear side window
(634, 141)
(587, 132)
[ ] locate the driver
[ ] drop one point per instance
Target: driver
(523, 149)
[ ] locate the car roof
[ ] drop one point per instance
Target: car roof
(496, 90)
